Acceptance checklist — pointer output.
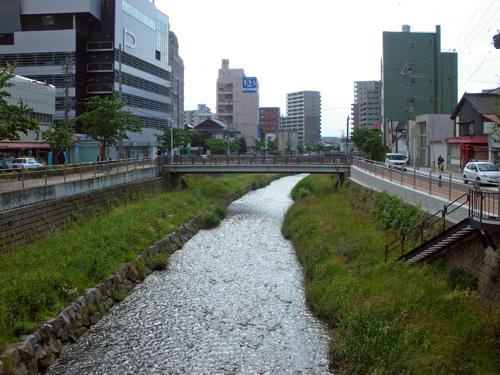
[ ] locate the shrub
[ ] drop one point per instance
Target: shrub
(220, 211)
(461, 279)
(23, 328)
(303, 188)
(209, 220)
(159, 262)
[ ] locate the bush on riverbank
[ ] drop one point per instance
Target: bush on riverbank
(386, 318)
(39, 279)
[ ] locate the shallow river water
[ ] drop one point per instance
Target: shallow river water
(231, 302)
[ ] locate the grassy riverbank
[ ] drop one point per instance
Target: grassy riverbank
(386, 318)
(39, 279)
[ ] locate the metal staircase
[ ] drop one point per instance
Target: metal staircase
(441, 242)
(483, 219)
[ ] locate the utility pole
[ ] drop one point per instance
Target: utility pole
(228, 123)
(347, 138)
(405, 73)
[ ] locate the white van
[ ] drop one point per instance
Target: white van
(397, 161)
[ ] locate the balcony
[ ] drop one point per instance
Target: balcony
(102, 88)
(100, 67)
(100, 46)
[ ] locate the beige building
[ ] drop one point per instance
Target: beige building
(197, 116)
(367, 107)
(303, 116)
(238, 101)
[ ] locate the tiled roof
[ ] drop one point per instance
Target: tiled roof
(482, 103)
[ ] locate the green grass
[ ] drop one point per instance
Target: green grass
(39, 279)
(385, 318)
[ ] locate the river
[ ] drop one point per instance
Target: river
(231, 302)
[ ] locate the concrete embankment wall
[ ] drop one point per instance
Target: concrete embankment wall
(428, 203)
(469, 254)
(23, 197)
(25, 224)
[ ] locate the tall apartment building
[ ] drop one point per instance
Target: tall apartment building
(197, 116)
(238, 101)
(417, 78)
(94, 47)
(367, 107)
(269, 119)
(177, 65)
(303, 116)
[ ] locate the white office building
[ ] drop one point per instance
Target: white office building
(94, 47)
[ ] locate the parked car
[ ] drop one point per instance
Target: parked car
(395, 161)
(25, 163)
(481, 171)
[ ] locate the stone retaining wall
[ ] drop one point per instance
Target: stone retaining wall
(34, 353)
(470, 254)
(25, 224)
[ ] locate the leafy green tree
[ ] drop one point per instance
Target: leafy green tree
(369, 141)
(13, 118)
(301, 149)
(181, 137)
(196, 139)
(59, 136)
(108, 121)
(258, 146)
(272, 146)
(234, 145)
(216, 146)
(243, 145)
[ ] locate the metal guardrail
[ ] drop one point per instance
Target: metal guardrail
(260, 160)
(484, 206)
(25, 178)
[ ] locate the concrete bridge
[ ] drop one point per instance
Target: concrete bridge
(258, 164)
(179, 165)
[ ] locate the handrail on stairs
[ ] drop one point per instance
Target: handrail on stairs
(416, 236)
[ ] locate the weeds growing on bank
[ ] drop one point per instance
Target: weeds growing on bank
(39, 279)
(386, 318)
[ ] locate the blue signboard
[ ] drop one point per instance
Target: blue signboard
(249, 84)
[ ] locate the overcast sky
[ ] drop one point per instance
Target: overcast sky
(323, 45)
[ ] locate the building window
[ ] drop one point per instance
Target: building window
(47, 20)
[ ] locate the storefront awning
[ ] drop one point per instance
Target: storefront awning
(468, 139)
(22, 145)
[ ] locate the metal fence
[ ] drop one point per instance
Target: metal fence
(26, 178)
(438, 184)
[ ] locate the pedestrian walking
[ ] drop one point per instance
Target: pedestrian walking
(440, 163)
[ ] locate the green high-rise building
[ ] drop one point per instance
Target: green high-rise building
(417, 77)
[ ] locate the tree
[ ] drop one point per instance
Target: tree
(13, 118)
(181, 137)
(243, 145)
(107, 121)
(369, 141)
(496, 112)
(272, 146)
(60, 136)
(216, 146)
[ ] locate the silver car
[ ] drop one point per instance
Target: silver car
(481, 171)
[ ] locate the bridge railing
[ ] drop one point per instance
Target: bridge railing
(258, 160)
